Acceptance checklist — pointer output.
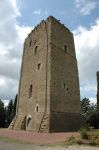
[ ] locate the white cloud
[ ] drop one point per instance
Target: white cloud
(89, 88)
(11, 42)
(87, 49)
(6, 102)
(23, 32)
(37, 12)
(93, 100)
(15, 8)
(86, 6)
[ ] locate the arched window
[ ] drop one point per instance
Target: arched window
(37, 108)
(30, 91)
(39, 66)
(36, 48)
(28, 119)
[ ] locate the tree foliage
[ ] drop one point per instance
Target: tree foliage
(7, 113)
(2, 115)
(89, 111)
(85, 106)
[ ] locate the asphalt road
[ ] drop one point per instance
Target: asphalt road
(16, 146)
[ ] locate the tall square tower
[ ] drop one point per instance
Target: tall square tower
(49, 96)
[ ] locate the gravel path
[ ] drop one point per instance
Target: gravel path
(15, 146)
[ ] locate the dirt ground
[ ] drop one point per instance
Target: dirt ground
(4, 145)
(37, 138)
(22, 140)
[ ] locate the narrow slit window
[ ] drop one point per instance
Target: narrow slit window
(67, 90)
(30, 43)
(65, 48)
(39, 66)
(36, 48)
(64, 85)
(30, 91)
(36, 108)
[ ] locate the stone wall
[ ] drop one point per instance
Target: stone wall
(64, 86)
(35, 72)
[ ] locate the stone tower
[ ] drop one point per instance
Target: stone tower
(49, 96)
(98, 91)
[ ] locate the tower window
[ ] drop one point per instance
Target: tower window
(67, 90)
(64, 85)
(65, 48)
(30, 43)
(30, 91)
(36, 48)
(28, 119)
(39, 66)
(36, 108)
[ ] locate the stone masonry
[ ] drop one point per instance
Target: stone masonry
(49, 96)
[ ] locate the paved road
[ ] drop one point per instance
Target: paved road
(16, 146)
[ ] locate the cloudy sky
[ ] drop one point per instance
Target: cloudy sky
(18, 17)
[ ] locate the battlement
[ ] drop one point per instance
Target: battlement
(58, 21)
(50, 18)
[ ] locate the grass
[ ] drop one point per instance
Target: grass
(86, 138)
(13, 140)
(96, 132)
(84, 134)
(91, 138)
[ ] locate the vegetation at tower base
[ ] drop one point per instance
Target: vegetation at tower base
(90, 113)
(2, 115)
(7, 113)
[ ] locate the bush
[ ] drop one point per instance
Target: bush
(92, 143)
(70, 140)
(79, 141)
(83, 134)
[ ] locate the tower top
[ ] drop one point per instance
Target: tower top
(50, 18)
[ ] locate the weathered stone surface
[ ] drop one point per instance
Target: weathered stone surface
(49, 96)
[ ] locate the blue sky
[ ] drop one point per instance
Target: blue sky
(66, 10)
(18, 17)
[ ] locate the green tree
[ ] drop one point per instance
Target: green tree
(2, 115)
(9, 113)
(93, 119)
(85, 106)
(89, 111)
